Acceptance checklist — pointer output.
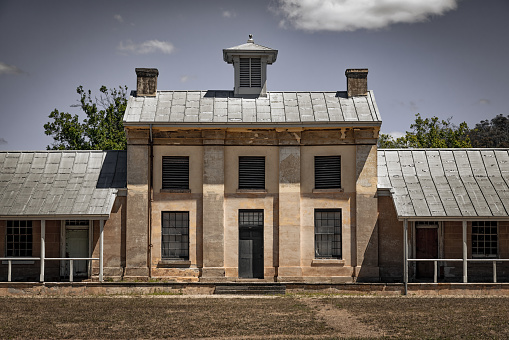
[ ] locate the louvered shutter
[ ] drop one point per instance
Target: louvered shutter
(256, 72)
(327, 172)
(175, 172)
(251, 172)
(250, 72)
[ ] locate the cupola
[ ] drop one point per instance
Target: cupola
(250, 62)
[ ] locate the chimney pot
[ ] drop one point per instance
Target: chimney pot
(146, 84)
(356, 81)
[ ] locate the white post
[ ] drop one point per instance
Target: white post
(43, 248)
(9, 272)
(494, 271)
(435, 271)
(71, 271)
(101, 250)
(465, 254)
(405, 254)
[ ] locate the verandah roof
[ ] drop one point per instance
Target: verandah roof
(58, 184)
(446, 183)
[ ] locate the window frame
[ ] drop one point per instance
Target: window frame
(480, 251)
(325, 175)
(335, 238)
(247, 175)
(181, 253)
(12, 246)
(168, 181)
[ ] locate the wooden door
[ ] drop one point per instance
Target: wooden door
(76, 245)
(426, 247)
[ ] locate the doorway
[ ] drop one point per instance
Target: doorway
(77, 244)
(426, 247)
(251, 244)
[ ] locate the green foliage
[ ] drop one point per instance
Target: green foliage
(429, 133)
(491, 134)
(102, 129)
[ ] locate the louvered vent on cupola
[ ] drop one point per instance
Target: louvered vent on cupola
(250, 63)
(250, 72)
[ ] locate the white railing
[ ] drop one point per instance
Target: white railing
(435, 265)
(71, 263)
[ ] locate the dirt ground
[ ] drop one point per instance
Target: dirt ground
(282, 317)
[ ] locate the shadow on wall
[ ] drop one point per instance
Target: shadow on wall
(369, 267)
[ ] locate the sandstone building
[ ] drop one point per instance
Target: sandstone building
(252, 184)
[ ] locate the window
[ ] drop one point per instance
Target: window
(250, 218)
(250, 72)
(19, 238)
(175, 235)
(327, 172)
(251, 172)
(484, 238)
(175, 173)
(328, 233)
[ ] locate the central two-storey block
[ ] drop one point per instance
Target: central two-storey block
(226, 185)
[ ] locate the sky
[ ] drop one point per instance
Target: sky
(444, 58)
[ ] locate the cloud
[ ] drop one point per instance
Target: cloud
(10, 69)
(351, 15)
(118, 17)
(229, 14)
(184, 79)
(484, 101)
(146, 47)
(3, 141)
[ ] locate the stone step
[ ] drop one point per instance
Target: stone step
(250, 289)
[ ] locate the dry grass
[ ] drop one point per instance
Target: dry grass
(254, 318)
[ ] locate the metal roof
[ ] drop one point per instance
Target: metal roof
(446, 183)
(222, 109)
(60, 183)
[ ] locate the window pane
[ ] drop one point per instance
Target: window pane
(328, 233)
(174, 240)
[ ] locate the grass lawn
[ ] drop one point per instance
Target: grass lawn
(287, 317)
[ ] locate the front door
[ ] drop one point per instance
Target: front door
(426, 247)
(251, 244)
(76, 245)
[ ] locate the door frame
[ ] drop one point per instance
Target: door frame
(63, 228)
(440, 240)
(261, 229)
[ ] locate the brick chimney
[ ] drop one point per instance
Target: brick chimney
(146, 84)
(356, 81)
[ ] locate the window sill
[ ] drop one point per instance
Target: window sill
(176, 191)
(317, 191)
(251, 191)
(174, 264)
(327, 263)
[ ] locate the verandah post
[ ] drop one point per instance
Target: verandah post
(465, 275)
(43, 248)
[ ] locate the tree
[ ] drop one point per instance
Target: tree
(102, 129)
(430, 133)
(491, 134)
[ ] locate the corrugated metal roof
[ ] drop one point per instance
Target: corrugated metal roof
(60, 183)
(221, 108)
(446, 183)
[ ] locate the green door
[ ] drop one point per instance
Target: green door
(76, 245)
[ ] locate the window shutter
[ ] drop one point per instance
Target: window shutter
(327, 172)
(256, 72)
(175, 172)
(244, 72)
(251, 172)
(250, 72)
